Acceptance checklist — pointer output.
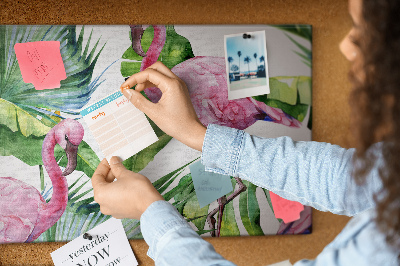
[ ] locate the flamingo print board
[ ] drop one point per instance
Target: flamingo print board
(51, 145)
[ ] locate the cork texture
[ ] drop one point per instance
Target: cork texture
(331, 114)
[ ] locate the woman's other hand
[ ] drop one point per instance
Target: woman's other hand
(126, 197)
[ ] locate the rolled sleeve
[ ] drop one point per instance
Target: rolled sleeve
(313, 173)
(172, 241)
(159, 218)
(221, 149)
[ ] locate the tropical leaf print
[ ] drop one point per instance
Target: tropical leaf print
(74, 91)
(29, 113)
(250, 210)
(31, 154)
(176, 50)
(229, 225)
(79, 216)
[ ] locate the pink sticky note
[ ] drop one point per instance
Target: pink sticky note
(41, 63)
(287, 210)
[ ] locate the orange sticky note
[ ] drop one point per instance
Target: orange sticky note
(287, 210)
(41, 63)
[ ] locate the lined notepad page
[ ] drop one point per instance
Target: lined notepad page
(118, 126)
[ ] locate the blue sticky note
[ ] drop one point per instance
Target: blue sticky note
(209, 186)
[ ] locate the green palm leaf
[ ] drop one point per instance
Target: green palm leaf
(197, 215)
(74, 91)
(79, 216)
(228, 225)
(29, 150)
(18, 119)
(250, 210)
(291, 94)
(26, 111)
(304, 31)
(176, 50)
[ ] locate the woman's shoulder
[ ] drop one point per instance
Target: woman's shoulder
(361, 240)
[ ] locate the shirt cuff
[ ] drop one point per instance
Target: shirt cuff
(221, 149)
(158, 219)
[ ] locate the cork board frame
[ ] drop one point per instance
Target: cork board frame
(330, 22)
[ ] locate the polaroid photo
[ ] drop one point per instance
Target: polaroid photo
(246, 64)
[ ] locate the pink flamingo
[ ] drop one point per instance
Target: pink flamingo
(25, 215)
(205, 78)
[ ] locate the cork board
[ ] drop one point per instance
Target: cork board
(330, 23)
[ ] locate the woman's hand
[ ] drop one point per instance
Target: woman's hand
(128, 196)
(174, 112)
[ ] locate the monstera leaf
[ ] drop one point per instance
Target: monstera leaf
(291, 94)
(176, 50)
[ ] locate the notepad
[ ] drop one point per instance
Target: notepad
(118, 126)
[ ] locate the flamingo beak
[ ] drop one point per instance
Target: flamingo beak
(136, 34)
(72, 152)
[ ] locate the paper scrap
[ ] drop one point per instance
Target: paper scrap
(108, 246)
(282, 263)
(284, 209)
(118, 126)
(41, 63)
(207, 185)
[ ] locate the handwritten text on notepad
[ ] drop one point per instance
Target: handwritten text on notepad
(119, 128)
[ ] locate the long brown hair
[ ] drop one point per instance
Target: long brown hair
(376, 106)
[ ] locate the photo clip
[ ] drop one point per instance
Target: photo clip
(87, 236)
(246, 36)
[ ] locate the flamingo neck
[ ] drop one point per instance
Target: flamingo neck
(56, 206)
(151, 57)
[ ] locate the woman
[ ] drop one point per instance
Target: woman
(363, 183)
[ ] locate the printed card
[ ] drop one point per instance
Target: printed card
(108, 246)
(41, 63)
(207, 185)
(246, 64)
(118, 126)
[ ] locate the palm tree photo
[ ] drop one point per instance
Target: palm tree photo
(239, 54)
(230, 60)
(255, 57)
(247, 60)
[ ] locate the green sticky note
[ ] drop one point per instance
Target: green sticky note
(209, 186)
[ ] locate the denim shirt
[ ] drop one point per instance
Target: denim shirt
(312, 173)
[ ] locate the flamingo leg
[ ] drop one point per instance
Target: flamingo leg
(221, 204)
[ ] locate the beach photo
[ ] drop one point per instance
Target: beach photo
(246, 64)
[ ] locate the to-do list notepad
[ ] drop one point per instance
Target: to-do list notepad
(118, 126)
